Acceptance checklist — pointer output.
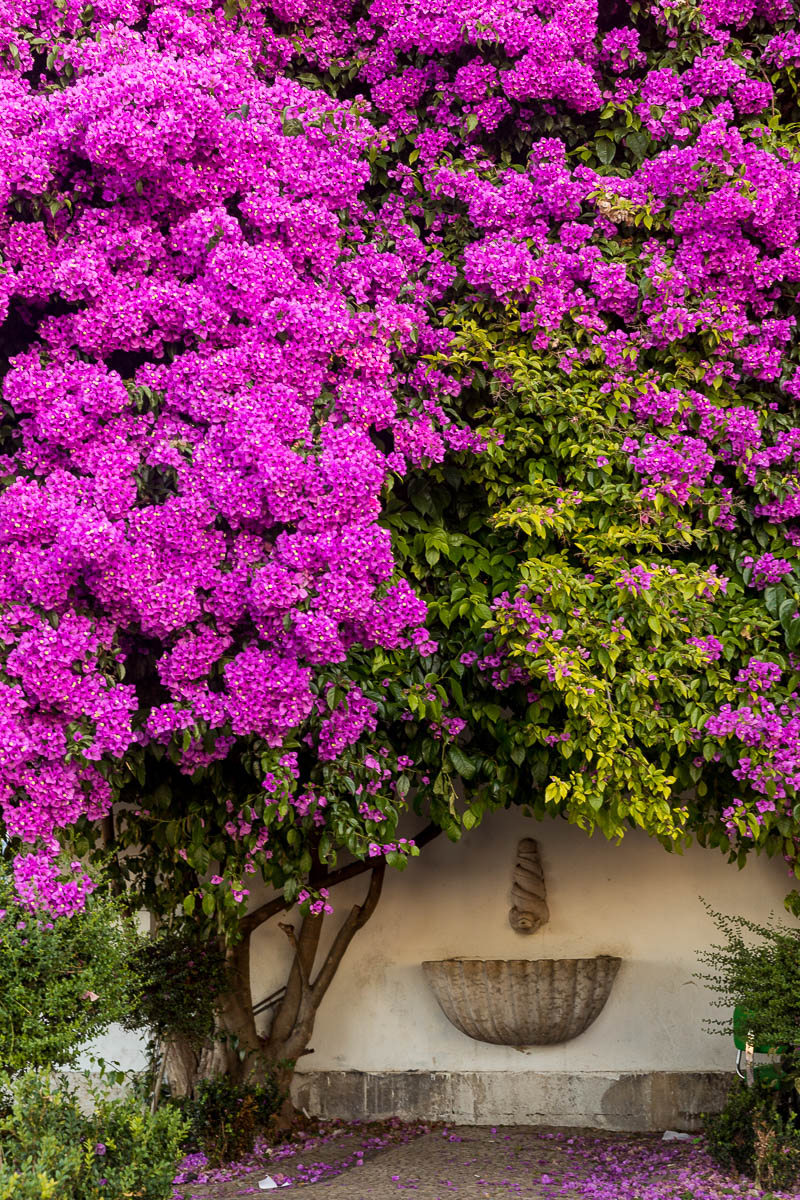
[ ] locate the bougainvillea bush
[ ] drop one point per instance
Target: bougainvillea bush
(398, 411)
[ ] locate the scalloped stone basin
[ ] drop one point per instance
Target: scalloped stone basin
(522, 1002)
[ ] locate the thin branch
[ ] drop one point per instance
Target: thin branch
(428, 834)
(162, 1066)
(264, 912)
(298, 957)
(298, 1038)
(251, 921)
(296, 986)
(358, 916)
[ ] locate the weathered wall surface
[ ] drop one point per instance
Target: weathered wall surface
(383, 1045)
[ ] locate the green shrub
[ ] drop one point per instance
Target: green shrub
(226, 1117)
(51, 1150)
(180, 979)
(62, 980)
(730, 1134)
(754, 1137)
(757, 968)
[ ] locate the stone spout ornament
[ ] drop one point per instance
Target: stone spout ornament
(519, 1002)
(528, 891)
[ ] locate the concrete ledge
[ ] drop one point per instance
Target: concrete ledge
(637, 1102)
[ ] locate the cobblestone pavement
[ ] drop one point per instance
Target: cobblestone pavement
(466, 1163)
(479, 1166)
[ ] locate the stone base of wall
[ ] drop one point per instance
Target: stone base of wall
(639, 1102)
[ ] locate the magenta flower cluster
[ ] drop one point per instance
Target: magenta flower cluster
(214, 317)
(221, 344)
(768, 734)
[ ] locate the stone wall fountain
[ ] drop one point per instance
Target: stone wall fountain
(523, 1002)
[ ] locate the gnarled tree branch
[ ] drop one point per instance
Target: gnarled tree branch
(297, 1040)
(357, 917)
(271, 908)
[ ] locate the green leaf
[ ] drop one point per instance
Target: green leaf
(605, 150)
(188, 904)
(637, 142)
(466, 768)
(200, 859)
(773, 598)
(786, 612)
(209, 904)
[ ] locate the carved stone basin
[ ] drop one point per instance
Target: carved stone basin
(522, 1002)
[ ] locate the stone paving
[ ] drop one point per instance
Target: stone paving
(473, 1163)
(479, 1166)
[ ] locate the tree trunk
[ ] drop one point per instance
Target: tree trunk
(293, 1024)
(180, 1065)
(237, 1050)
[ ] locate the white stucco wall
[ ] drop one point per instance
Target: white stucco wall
(633, 900)
(118, 1047)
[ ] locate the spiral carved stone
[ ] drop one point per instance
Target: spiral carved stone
(519, 1002)
(528, 892)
